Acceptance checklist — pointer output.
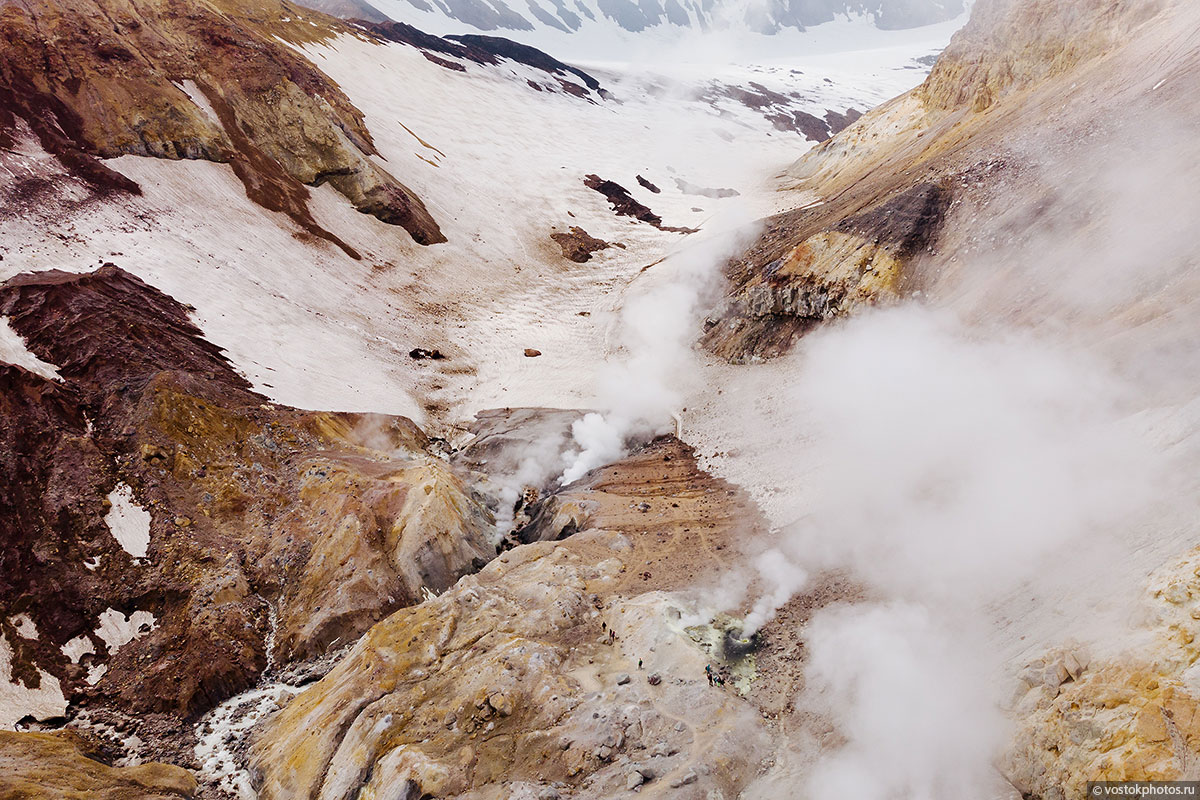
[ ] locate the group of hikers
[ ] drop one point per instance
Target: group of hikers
(714, 678)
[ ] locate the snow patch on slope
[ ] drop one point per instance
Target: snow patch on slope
(25, 626)
(128, 522)
(18, 701)
(198, 97)
(117, 630)
(13, 350)
(501, 167)
(78, 647)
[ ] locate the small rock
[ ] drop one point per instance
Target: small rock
(648, 185)
(420, 353)
(686, 779)
(654, 679)
(531, 353)
(501, 703)
(153, 454)
(623, 679)
(634, 780)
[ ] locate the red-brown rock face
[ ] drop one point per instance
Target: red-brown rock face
(257, 517)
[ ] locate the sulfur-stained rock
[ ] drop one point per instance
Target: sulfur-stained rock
(1009, 45)
(880, 192)
(1134, 717)
(506, 680)
(834, 272)
(62, 766)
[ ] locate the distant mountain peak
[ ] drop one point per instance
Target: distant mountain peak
(570, 16)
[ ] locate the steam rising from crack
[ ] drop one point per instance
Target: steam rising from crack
(644, 387)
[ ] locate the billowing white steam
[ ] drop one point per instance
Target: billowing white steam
(903, 690)
(992, 465)
(956, 465)
(657, 328)
(783, 577)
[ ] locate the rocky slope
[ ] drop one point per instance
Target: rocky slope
(874, 198)
(65, 764)
(191, 533)
(1018, 189)
(187, 550)
(564, 667)
(213, 80)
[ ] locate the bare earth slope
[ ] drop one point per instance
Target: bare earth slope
(1038, 183)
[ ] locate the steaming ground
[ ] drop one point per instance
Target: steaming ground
(1002, 462)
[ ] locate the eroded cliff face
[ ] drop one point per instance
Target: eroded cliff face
(213, 80)
(840, 266)
(1010, 45)
(172, 533)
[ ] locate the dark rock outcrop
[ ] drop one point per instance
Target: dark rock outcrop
(647, 185)
(488, 51)
(624, 204)
(810, 266)
(577, 245)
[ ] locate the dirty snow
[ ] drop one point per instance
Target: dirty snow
(197, 96)
(227, 724)
(18, 701)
